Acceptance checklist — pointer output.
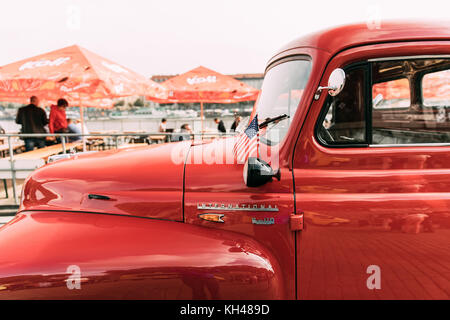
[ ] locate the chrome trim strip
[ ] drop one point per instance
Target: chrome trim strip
(445, 56)
(237, 207)
(410, 145)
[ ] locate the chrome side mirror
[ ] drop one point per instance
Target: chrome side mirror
(258, 172)
(336, 83)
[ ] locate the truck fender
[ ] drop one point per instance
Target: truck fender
(70, 255)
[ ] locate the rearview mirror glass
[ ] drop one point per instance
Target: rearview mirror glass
(336, 82)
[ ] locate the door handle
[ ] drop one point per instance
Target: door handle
(98, 197)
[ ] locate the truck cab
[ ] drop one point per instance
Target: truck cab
(347, 196)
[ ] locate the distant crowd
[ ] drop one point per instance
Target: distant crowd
(33, 119)
(186, 130)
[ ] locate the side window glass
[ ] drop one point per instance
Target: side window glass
(410, 105)
(414, 107)
(344, 122)
(281, 93)
(391, 101)
(391, 94)
(436, 89)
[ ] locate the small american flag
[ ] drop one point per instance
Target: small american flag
(247, 143)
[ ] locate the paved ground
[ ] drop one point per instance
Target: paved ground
(6, 204)
(10, 200)
(4, 220)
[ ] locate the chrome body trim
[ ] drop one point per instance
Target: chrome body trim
(237, 207)
(410, 145)
(445, 56)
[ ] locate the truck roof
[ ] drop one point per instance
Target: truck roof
(336, 39)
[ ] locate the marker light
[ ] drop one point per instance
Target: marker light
(214, 217)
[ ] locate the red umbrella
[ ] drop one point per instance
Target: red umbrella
(73, 73)
(204, 85)
(76, 74)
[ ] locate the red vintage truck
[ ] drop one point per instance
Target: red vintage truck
(356, 205)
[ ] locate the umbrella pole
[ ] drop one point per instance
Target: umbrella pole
(201, 116)
(82, 127)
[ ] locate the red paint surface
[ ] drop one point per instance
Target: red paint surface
(131, 258)
(138, 181)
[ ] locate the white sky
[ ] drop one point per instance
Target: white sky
(174, 36)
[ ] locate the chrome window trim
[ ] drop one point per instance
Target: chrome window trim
(445, 56)
(410, 145)
(237, 207)
(288, 58)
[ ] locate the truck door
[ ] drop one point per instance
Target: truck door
(261, 212)
(372, 178)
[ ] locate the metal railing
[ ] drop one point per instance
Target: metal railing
(114, 140)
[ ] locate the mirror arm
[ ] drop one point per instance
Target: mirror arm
(320, 89)
(336, 83)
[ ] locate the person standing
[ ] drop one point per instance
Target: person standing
(162, 125)
(33, 119)
(220, 125)
(235, 124)
(58, 120)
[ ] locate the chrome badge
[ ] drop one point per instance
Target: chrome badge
(237, 207)
(263, 221)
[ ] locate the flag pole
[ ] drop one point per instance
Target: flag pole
(257, 137)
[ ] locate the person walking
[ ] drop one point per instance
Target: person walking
(33, 119)
(220, 125)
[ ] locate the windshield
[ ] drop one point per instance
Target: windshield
(281, 93)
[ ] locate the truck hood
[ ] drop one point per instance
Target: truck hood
(144, 181)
